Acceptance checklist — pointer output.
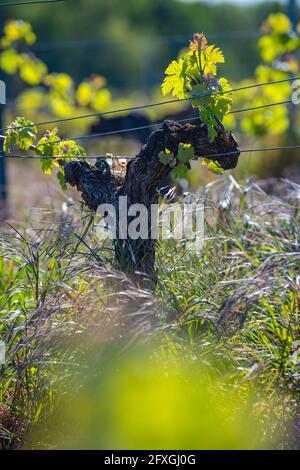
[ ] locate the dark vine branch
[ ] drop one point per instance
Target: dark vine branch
(98, 185)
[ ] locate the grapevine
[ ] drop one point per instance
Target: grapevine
(277, 47)
(55, 92)
(194, 75)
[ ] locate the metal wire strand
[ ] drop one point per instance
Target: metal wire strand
(13, 4)
(152, 105)
(213, 155)
(149, 126)
(121, 131)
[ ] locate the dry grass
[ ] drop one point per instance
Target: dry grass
(235, 307)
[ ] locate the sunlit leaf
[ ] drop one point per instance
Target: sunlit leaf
(166, 157)
(84, 93)
(10, 61)
(18, 30)
(180, 171)
(185, 152)
(277, 23)
(212, 166)
(20, 134)
(32, 70)
(210, 57)
(175, 82)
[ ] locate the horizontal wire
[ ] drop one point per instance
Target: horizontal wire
(213, 155)
(263, 149)
(176, 38)
(269, 105)
(64, 157)
(152, 105)
(13, 4)
(149, 126)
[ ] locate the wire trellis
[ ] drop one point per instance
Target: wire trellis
(152, 105)
(30, 2)
(157, 124)
(213, 155)
(149, 126)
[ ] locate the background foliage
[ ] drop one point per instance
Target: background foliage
(223, 327)
(131, 42)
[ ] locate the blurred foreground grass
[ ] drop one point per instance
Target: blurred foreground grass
(210, 361)
(148, 400)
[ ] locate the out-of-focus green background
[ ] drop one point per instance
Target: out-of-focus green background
(211, 359)
(131, 42)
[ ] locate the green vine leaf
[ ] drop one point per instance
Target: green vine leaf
(180, 171)
(69, 148)
(195, 75)
(10, 61)
(51, 145)
(21, 134)
(17, 30)
(208, 117)
(184, 155)
(61, 179)
(210, 57)
(46, 147)
(176, 79)
(46, 144)
(212, 166)
(166, 157)
(32, 70)
(185, 152)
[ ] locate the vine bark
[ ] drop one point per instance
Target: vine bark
(98, 185)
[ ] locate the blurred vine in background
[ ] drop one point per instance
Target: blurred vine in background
(48, 93)
(194, 75)
(278, 45)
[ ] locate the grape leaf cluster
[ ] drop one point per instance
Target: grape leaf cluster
(22, 134)
(194, 76)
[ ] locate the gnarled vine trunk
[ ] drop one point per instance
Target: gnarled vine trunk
(98, 185)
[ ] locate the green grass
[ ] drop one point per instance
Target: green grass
(233, 310)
